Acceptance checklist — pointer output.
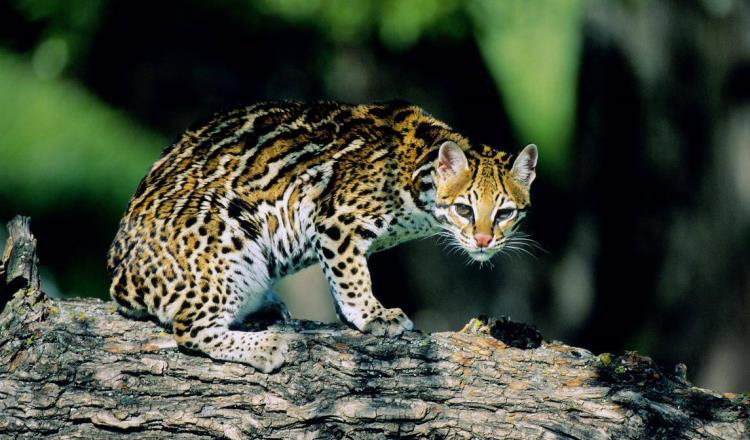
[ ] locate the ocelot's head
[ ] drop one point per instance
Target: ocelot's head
(480, 197)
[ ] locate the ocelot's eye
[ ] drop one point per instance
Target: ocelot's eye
(464, 211)
(504, 215)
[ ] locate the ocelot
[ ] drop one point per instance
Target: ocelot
(263, 191)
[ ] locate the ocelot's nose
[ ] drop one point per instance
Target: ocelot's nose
(482, 240)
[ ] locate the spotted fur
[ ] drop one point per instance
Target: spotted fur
(263, 191)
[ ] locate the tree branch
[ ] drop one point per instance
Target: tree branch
(79, 369)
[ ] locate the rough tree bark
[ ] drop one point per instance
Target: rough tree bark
(77, 369)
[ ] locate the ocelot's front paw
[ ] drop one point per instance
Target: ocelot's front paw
(387, 322)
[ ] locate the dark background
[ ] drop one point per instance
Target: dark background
(641, 110)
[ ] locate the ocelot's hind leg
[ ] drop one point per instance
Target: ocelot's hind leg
(264, 350)
(208, 324)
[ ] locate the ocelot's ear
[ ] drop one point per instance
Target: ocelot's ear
(451, 160)
(524, 168)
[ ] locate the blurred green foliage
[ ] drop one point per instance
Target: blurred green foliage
(72, 21)
(532, 50)
(59, 143)
(398, 24)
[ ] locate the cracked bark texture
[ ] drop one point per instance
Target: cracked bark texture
(77, 369)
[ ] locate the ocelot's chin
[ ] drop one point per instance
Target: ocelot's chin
(480, 255)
